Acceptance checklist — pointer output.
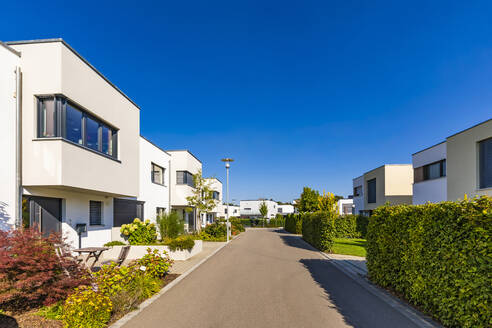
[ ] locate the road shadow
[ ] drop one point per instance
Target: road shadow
(8, 321)
(296, 241)
(358, 307)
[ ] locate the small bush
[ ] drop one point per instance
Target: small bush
(236, 226)
(140, 233)
(214, 231)
(318, 229)
(438, 256)
(31, 273)
(351, 226)
(86, 308)
(112, 278)
(114, 243)
(181, 243)
(156, 265)
(170, 225)
(293, 223)
(277, 222)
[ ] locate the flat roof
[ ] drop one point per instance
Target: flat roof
(474, 126)
(374, 169)
(153, 144)
(12, 50)
(78, 55)
(186, 150)
(437, 144)
(214, 178)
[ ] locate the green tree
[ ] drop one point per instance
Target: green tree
(309, 200)
(263, 211)
(202, 198)
(327, 202)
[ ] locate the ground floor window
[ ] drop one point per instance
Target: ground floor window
(95, 212)
(160, 211)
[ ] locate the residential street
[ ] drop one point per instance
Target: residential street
(267, 278)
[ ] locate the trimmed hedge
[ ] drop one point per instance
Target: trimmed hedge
(318, 229)
(293, 223)
(351, 226)
(439, 256)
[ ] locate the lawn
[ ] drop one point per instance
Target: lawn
(350, 246)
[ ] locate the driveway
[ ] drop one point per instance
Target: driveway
(268, 278)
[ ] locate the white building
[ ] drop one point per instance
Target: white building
(235, 211)
(345, 206)
(251, 208)
(358, 197)
(430, 182)
(216, 186)
(79, 141)
(154, 179)
(285, 209)
(183, 166)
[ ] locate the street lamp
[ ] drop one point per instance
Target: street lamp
(227, 165)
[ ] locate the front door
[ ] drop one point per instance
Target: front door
(46, 214)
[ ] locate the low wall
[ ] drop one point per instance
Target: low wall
(139, 251)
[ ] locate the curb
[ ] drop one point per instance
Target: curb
(360, 277)
(122, 321)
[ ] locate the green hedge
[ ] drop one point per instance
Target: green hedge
(293, 223)
(351, 226)
(439, 256)
(318, 229)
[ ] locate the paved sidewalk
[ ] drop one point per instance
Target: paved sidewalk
(355, 263)
(209, 247)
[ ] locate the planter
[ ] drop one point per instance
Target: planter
(139, 251)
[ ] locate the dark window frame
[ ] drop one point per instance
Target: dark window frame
(60, 126)
(152, 164)
(370, 199)
(422, 173)
(484, 175)
(187, 179)
(97, 221)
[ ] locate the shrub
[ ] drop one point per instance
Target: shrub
(318, 229)
(351, 226)
(236, 226)
(293, 223)
(438, 256)
(277, 222)
(215, 230)
(139, 233)
(156, 265)
(86, 308)
(112, 278)
(170, 225)
(114, 243)
(181, 243)
(31, 273)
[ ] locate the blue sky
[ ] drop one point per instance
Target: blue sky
(304, 93)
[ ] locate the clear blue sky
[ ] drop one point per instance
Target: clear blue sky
(304, 93)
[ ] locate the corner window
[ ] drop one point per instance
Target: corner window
(371, 191)
(430, 171)
(357, 191)
(185, 178)
(59, 117)
(157, 174)
(95, 212)
(485, 163)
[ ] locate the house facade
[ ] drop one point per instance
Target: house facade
(235, 211)
(79, 136)
(345, 206)
(462, 164)
(389, 183)
(210, 217)
(358, 198)
(183, 166)
(251, 208)
(285, 209)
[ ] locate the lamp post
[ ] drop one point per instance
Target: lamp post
(227, 165)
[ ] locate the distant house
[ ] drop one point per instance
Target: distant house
(210, 217)
(251, 208)
(462, 164)
(389, 183)
(234, 211)
(345, 206)
(285, 209)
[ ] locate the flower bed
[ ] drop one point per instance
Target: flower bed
(137, 251)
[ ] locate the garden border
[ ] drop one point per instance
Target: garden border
(126, 318)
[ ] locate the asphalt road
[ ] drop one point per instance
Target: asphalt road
(269, 279)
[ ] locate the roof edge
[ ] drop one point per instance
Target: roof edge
(186, 150)
(437, 144)
(12, 50)
(471, 127)
(76, 54)
(153, 144)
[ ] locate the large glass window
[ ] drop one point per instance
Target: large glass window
(185, 177)
(58, 117)
(73, 125)
(371, 191)
(430, 171)
(485, 161)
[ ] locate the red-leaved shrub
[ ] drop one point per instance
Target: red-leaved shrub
(31, 271)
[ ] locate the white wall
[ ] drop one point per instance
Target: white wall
(358, 201)
(252, 208)
(341, 203)
(285, 209)
(154, 195)
(8, 64)
(433, 191)
(235, 210)
(182, 160)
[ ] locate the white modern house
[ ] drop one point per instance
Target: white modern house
(389, 183)
(183, 166)
(235, 211)
(345, 206)
(285, 209)
(462, 164)
(251, 208)
(73, 149)
(216, 186)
